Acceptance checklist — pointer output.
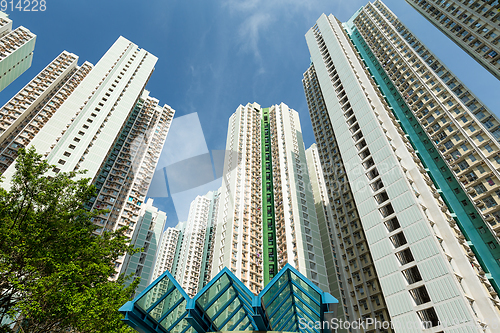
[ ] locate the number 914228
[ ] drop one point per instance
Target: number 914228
(23, 5)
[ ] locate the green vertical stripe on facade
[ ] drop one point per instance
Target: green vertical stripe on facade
(269, 250)
(467, 217)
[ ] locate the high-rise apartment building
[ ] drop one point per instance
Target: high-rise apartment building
(146, 236)
(409, 160)
(350, 266)
(191, 268)
(266, 221)
(266, 211)
(28, 111)
(108, 125)
(186, 251)
(16, 50)
(325, 216)
(209, 241)
(126, 171)
(166, 256)
(473, 25)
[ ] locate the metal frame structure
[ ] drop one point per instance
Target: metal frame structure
(290, 302)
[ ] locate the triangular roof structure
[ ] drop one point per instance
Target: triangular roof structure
(290, 302)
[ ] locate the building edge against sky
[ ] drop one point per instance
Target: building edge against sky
(472, 25)
(95, 118)
(410, 227)
(267, 216)
(146, 236)
(347, 241)
(193, 260)
(325, 215)
(415, 233)
(99, 118)
(46, 91)
(16, 50)
(194, 250)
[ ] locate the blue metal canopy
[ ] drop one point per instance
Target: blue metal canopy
(290, 302)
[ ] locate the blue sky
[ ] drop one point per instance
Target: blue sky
(216, 55)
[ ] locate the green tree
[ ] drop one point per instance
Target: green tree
(54, 271)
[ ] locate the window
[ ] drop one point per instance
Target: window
(62, 162)
(398, 240)
(479, 138)
(463, 165)
(405, 256)
(448, 144)
(471, 176)
(480, 188)
(420, 295)
(472, 158)
(489, 202)
(496, 134)
(412, 275)
(72, 146)
(488, 148)
(76, 139)
(464, 147)
(428, 317)
(490, 181)
(480, 169)
(455, 154)
(489, 124)
(471, 128)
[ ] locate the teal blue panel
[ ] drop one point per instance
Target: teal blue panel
(155, 293)
(174, 315)
(205, 299)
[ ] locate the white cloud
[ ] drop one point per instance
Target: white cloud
(257, 17)
(250, 31)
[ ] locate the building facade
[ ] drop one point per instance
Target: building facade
(186, 251)
(166, 256)
(472, 25)
(429, 240)
(194, 248)
(325, 215)
(209, 242)
(28, 111)
(266, 213)
(350, 265)
(146, 236)
(107, 125)
(455, 134)
(16, 50)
